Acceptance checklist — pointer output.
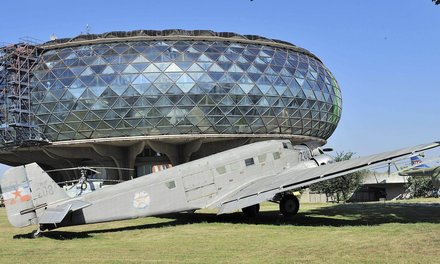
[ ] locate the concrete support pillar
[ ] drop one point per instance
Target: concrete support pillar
(177, 154)
(170, 150)
(189, 148)
(123, 157)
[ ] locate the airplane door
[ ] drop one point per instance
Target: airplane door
(199, 184)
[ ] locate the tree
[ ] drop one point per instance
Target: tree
(420, 187)
(340, 188)
(437, 2)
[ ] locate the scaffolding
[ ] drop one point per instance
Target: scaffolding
(17, 122)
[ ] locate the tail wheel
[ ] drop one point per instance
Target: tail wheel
(289, 205)
(251, 211)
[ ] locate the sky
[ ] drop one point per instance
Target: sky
(384, 54)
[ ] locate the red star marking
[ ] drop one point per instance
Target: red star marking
(17, 194)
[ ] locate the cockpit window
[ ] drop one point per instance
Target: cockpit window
(287, 145)
(304, 151)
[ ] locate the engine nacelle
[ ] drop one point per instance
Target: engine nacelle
(323, 159)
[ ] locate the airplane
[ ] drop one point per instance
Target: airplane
(228, 181)
(419, 168)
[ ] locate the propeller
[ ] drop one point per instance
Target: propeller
(92, 168)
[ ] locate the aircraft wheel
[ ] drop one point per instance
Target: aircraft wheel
(251, 211)
(36, 233)
(289, 205)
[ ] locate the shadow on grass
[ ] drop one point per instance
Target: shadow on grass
(364, 214)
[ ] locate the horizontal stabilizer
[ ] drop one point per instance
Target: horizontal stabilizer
(77, 205)
(57, 214)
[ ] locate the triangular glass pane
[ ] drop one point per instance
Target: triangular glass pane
(164, 123)
(174, 90)
(130, 92)
(152, 68)
(140, 67)
(76, 92)
(119, 67)
(236, 90)
(246, 87)
(77, 84)
(142, 102)
(163, 101)
(212, 55)
(141, 79)
(151, 76)
(263, 102)
(185, 101)
(205, 65)
(99, 104)
(68, 96)
(97, 90)
(87, 72)
(77, 70)
(184, 65)
(235, 68)
(204, 58)
(104, 126)
(120, 103)
(108, 70)
(163, 78)
(162, 65)
(195, 68)
(130, 69)
(140, 59)
(88, 95)
(108, 92)
(226, 79)
(173, 68)
(222, 58)
(216, 68)
(174, 75)
(98, 69)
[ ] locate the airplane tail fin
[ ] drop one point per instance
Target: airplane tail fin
(25, 189)
(415, 160)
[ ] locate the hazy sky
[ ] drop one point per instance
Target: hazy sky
(384, 54)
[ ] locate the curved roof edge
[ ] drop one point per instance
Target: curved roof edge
(171, 34)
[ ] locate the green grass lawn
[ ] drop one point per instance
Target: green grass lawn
(407, 232)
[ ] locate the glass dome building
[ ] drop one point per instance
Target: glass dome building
(171, 92)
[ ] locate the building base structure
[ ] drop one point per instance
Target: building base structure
(135, 156)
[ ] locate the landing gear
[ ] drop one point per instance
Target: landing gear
(251, 211)
(37, 233)
(289, 205)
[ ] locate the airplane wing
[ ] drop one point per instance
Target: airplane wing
(265, 188)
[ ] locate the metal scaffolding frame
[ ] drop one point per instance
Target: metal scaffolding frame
(17, 123)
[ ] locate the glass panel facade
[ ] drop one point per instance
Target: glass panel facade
(183, 87)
